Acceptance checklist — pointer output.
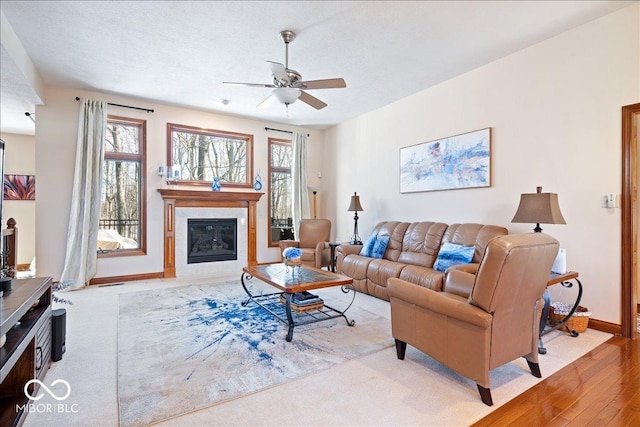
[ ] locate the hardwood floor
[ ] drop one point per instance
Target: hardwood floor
(602, 388)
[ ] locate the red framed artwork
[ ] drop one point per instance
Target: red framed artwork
(19, 187)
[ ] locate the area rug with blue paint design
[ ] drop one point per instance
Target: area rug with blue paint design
(187, 348)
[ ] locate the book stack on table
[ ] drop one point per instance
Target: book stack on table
(304, 301)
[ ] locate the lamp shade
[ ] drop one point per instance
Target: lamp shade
(355, 205)
(286, 95)
(539, 208)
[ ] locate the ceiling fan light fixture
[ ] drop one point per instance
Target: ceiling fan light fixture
(286, 95)
(288, 85)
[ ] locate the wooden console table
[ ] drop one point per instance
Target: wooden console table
(26, 355)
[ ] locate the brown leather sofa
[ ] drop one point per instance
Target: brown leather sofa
(480, 321)
(411, 253)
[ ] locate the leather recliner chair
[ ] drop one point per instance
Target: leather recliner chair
(480, 321)
(313, 242)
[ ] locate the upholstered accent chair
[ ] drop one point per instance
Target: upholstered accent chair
(313, 242)
(479, 321)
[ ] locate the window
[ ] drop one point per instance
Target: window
(122, 228)
(202, 154)
(280, 217)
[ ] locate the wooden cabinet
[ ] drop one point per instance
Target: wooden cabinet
(25, 315)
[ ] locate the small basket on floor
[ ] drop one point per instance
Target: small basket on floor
(579, 322)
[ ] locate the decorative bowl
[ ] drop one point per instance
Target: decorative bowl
(293, 262)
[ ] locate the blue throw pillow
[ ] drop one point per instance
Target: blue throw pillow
(375, 246)
(452, 254)
(367, 248)
(380, 246)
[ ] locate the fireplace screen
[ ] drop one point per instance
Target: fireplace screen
(212, 240)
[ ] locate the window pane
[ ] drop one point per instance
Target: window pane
(280, 195)
(120, 213)
(122, 138)
(281, 156)
(202, 157)
(281, 213)
(280, 210)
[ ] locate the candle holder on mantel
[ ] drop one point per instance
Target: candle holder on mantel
(170, 173)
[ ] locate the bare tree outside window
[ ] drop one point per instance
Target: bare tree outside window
(121, 215)
(203, 154)
(280, 206)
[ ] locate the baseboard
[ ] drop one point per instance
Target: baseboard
(602, 326)
(130, 278)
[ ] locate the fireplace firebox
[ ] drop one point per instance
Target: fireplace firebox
(211, 240)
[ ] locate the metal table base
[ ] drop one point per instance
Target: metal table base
(287, 315)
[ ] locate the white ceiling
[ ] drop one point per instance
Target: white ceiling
(180, 52)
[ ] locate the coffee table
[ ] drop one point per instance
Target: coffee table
(288, 281)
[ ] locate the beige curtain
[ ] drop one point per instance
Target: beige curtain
(299, 193)
(82, 236)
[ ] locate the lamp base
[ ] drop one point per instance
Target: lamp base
(355, 239)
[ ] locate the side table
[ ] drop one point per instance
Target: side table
(333, 246)
(565, 280)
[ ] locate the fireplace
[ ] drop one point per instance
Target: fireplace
(179, 202)
(212, 239)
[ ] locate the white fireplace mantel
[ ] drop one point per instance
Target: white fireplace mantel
(182, 198)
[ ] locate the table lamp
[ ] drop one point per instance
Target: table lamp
(356, 207)
(539, 208)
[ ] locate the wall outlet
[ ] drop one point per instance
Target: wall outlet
(610, 200)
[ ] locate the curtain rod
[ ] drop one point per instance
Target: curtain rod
(125, 106)
(280, 130)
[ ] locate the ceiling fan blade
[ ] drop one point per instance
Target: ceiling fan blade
(249, 84)
(267, 102)
(322, 84)
(311, 100)
(279, 72)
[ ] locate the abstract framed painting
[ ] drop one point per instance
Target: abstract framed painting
(19, 187)
(455, 162)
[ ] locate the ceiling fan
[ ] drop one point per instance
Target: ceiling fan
(288, 84)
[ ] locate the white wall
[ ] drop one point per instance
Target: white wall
(20, 159)
(56, 134)
(554, 110)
